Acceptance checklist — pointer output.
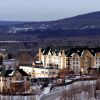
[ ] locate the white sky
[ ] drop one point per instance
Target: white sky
(43, 10)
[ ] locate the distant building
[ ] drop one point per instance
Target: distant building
(10, 63)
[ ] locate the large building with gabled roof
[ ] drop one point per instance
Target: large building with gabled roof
(77, 59)
(52, 58)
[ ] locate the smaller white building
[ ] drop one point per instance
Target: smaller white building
(45, 72)
(27, 69)
(40, 71)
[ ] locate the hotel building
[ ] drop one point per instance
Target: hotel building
(76, 59)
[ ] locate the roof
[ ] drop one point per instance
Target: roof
(51, 50)
(70, 51)
(1, 69)
(5, 73)
(80, 50)
(38, 62)
(11, 73)
(23, 73)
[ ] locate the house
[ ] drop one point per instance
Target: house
(12, 81)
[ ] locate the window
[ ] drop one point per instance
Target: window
(76, 66)
(73, 58)
(50, 72)
(53, 72)
(73, 62)
(22, 78)
(76, 58)
(57, 65)
(76, 62)
(17, 78)
(46, 72)
(10, 78)
(42, 71)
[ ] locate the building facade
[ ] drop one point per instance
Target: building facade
(12, 81)
(40, 71)
(77, 59)
(49, 58)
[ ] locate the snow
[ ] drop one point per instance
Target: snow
(68, 80)
(18, 81)
(36, 87)
(17, 97)
(57, 92)
(46, 90)
(11, 73)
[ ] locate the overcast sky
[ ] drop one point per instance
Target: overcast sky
(43, 10)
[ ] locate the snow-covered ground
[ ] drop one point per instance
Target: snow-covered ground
(57, 92)
(18, 97)
(36, 88)
(46, 90)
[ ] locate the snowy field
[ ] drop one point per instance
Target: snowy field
(82, 90)
(18, 97)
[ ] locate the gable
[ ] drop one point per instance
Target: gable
(75, 55)
(86, 53)
(17, 73)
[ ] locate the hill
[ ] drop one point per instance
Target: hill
(81, 30)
